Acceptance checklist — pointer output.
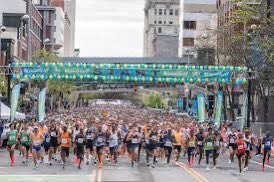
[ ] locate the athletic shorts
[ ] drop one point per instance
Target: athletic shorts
(99, 149)
(46, 147)
(54, 144)
(80, 151)
(65, 150)
(190, 150)
(132, 147)
(113, 149)
(9, 146)
(89, 145)
(27, 146)
(233, 145)
(36, 148)
(178, 148)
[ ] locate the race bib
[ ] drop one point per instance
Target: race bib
(12, 137)
(36, 142)
(64, 141)
(231, 140)
(80, 140)
(89, 137)
(268, 143)
(154, 137)
(53, 134)
(240, 147)
(100, 140)
(24, 139)
(191, 143)
(134, 140)
(47, 140)
(209, 144)
(168, 144)
(200, 143)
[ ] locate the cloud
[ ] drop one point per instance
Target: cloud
(110, 28)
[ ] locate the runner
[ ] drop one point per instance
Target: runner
(191, 144)
(178, 142)
(12, 136)
(232, 146)
(267, 144)
(133, 139)
(65, 138)
(25, 143)
(53, 134)
(100, 139)
(240, 151)
(89, 143)
(168, 143)
(200, 144)
(114, 144)
(79, 142)
(36, 141)
(210, 139)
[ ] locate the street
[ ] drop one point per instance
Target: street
(123, 172)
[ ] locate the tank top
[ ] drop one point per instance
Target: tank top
(36, 139)
(89, 134)
(209, 145)
(241, 148)
(12, 137)
(65, 139)
(25, 138)
(178, 138)
(100, 139)
(191, 142)
(113, 139)
(232, 138)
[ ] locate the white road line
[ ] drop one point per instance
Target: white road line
(53, 175)
(262, 164)
(99, 177)
(93, 176)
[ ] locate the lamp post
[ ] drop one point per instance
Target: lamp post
(46, 41)
(205, 38)
(2, 29)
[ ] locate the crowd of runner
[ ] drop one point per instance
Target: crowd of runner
(102, 134)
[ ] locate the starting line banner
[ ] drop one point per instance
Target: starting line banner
(170, 73)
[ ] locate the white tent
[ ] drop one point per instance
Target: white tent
(5, 113)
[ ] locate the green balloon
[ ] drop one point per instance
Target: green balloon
(66, 77)
(151, 79)
(61, 64)
(47, 65)
(210, 68)
(50, 77)
(159, 79)
(26, 76)
(77, 65)
(54, 64)
(95, 77)
(33, 77)
(74, 77)
(193, 67)
(191, 80)
(163, 67)
(111, 77)
(168, 80)
(175, 80)
(18, 76)
(31, 64)
(58, 77)
(216, 68)
(183, 79)
(201, 67)
(42, 77)
(199, 80)
(69, 65)
(127, 78)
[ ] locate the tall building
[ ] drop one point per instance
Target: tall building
(161, 30)
(69, 7)
(197, 17)
(23, 37)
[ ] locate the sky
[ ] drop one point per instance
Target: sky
(110, 28)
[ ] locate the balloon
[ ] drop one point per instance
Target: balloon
(26, 76)
(224, 68)
(167, 80)
(206, 80)
(210, 68)
(18, 77)
(88, 77)
(31, 64)
(69, 65)
(151, 79)
(201, 67)
(33, 77)
(175, 80)
(179, 67)
(244, 80)
(61, 64)
(81, 77)
(183, 79)
(154, 66)
(199, 80)
(66, 77)
(170, 66)
(159, 79)
(54, 64)
(135, 78)
(193, 67)
(145, 66)
(74, 77)
(42, 77)
(216, 68)
(50, 77)
(185, 67)
(143, 79)
(127, 78)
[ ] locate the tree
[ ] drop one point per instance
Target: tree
(248, 40)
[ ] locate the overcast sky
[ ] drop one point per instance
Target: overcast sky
(110, 28)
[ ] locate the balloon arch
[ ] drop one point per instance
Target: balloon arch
(141, 73)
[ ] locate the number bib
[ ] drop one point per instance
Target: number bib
(209, 144)
(36, 142)
(100, 140)
(80, 140)
(64, 141)
(89, 137)
(241, 147)
(12, 137)
(24, 139)
(200, 143)
(134, 140)
(48, 140)
(232, 140)
(53, 134)
(168, 144)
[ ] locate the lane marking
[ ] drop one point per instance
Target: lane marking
(190, 172)
(93, 176)
(42, 175)
(99, 177)
(194, 171)
(262, 164)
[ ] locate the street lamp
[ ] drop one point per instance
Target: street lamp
(188, 52)
(2, 29)
(45, 42)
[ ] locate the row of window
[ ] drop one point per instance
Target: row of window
(164, 12)
(190, 25)
(162, 22)
(159, 30)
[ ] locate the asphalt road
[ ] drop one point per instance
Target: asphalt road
(175, 172)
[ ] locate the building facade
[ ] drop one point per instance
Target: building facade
(23, 37)
(69, 8)
(161, 29)
(197, 18)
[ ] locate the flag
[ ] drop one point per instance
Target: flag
(42, 105)
(14, 100)
(218, 108)
(201, 107)
(244, 111)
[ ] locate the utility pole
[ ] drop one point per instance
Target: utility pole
(29, 53)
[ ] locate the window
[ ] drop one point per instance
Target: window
(160, 11)
(155, 11)
(159, 30)
(164, 11)
(171, 12)
(164, 22)
(177, 12)
(155, 22)
(188, 42)
(160, 22)
(190, 25)
(170, 22)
